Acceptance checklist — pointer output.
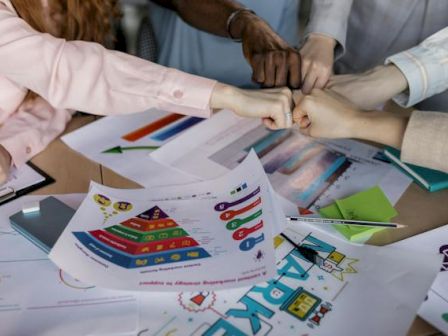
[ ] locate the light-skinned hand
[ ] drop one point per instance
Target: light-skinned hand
(317, 61)
(270, 105)
(326, 114)
(370, 89)
(5, 164)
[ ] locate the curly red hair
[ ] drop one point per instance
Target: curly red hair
(87, 20)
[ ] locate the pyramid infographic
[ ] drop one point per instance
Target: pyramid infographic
(151, 238)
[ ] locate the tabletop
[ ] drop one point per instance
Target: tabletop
(417, 208)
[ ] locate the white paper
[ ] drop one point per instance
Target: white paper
(306, 173)
(359, 290)
(135, 164)
(37, 298)
(435, 307)
(115, 239)
(22, 178)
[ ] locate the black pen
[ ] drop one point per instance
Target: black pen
(309, 254)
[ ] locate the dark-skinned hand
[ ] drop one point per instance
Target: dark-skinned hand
(274, 63)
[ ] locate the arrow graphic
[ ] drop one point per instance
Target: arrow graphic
(120, 150)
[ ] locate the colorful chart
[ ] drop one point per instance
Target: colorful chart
(161, 129)
(151, 238)
(171, 131)
(152, 127)
(300, 169)
(235, 221)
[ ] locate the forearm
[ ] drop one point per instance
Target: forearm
(371, 88)
(329, 17)
(209, 16)
(31, 128)
(425, 68)
(85, 76)
(379, 126)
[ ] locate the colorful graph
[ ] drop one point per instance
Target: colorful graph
(233, 211)
(152, 127)
(162, 129)
(176, 129)
(151, 238)
(299, 168)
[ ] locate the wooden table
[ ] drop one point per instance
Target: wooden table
(419, 209)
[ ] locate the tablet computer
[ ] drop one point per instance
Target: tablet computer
(43, 227)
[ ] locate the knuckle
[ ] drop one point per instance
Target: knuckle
(287, 92)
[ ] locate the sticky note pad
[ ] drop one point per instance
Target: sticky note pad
(350, 232)
(370, 205)
(331, 211)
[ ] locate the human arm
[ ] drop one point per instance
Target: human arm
(422, 137)
(317, 61)
(29, 130)
(273, 61)
(409, 77)
(372, 88)
(425, 68)
(85, 76)
(325, 114)
(325, 38)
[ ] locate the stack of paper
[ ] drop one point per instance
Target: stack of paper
(435, 307)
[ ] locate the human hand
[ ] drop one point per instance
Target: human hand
(274, 63)
(5, 164)
(317, 61)
(324, 114)
(273, 106)
(370, 89)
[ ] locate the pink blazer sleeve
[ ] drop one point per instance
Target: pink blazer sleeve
(85, 76)
(31, 128)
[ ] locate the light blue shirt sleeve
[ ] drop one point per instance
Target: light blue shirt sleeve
(186, 48)
(425, 68)
(330, 18)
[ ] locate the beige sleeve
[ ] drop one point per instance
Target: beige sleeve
(425, 141)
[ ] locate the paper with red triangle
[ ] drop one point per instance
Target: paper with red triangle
(151, 238)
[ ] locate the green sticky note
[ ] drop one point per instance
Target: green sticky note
(331, 211)
(370, 204)
(350, 232)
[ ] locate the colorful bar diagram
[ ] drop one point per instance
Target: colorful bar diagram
(149, 239)
(152, 127)
(176, 129)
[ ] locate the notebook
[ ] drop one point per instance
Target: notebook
(432, 180)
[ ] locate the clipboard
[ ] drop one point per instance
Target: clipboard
(8, 192)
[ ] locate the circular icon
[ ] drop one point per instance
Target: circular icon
(122, 206)
(102, 200)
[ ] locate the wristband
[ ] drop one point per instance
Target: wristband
(232, 17)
